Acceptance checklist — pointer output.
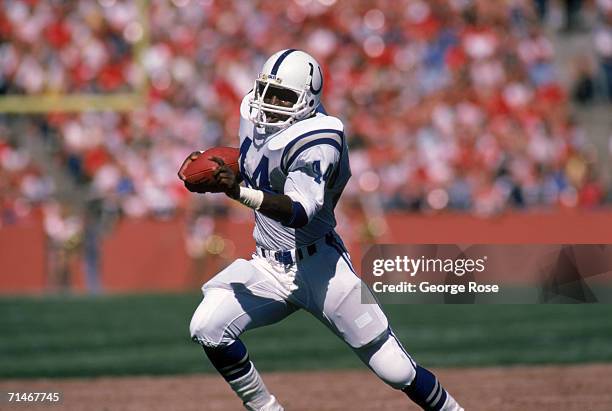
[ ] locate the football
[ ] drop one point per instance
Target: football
(200, 170)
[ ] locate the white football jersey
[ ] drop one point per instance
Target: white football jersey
(307, 161)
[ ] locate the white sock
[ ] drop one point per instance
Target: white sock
(252, 390)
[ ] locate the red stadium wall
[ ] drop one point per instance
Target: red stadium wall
(151, 255)
(144, 255)
(560, 227)
(23, 258)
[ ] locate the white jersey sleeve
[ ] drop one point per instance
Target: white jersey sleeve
(308, 171)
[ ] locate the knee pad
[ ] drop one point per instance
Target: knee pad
(358, 324)
(207, 326)
(388, 359)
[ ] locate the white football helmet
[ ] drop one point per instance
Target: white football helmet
(293, 77)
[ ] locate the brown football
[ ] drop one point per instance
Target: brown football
(200, 170)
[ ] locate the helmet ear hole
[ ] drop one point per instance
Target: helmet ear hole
(311, 103)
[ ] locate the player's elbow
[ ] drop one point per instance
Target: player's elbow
(299, 216)
(303, 209)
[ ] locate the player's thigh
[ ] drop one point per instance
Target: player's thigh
(236, 300)
(337, 298)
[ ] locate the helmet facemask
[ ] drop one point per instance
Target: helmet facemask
(275, 106)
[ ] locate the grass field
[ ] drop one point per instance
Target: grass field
(148, 334)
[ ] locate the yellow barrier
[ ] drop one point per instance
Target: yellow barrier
(19, 104)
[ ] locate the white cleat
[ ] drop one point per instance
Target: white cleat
(272, 405)
(451, 404)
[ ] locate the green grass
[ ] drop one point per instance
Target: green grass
(148, 334)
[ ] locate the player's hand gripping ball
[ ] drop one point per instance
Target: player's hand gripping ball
(212, 171)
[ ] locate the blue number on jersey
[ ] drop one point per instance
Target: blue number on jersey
(316, 168)
(260, 178)
(260, 175)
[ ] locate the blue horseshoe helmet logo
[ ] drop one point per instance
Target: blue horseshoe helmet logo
(313, 91)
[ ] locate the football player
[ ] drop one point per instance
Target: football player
(294, 164)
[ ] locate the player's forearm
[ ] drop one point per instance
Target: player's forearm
(276, 206)
(279, 207)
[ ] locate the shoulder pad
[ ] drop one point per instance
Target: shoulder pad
(319, 125)
(319, 130)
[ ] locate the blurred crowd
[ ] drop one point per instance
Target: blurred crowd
(592, 71)
(67, 46)
(448, 104)
(23, 185)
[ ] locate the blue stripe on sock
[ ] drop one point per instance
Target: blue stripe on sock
(438, 405)
(231, 361)
(426, 391)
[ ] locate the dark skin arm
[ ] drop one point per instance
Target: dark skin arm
(278, 207)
